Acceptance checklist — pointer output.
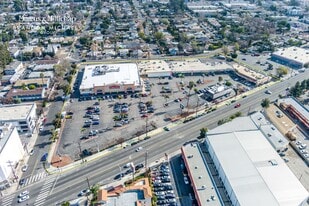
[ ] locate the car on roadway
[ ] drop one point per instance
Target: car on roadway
(44, 157)
(166, 128)
(22, 181)
(23, 198)
(24, 193)
(24, 168)
(237, 105)
(84, 192)
(138, 149)
(268, 92)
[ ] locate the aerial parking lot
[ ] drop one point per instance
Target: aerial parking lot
(98, 122)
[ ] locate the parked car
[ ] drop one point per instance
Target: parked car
(185, 179)
(24, 168)
(31, 152)
(119, 176)
(139, 166)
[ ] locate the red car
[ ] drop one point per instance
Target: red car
(237, 105)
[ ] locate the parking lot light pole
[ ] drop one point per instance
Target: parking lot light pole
(146, 126)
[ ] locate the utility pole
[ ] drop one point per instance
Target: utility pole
(88, 187)
(12, 167)
(146, 126)
(80, 151)
(146, 161)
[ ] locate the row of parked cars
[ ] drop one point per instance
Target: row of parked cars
(129, 170)
(163, 188)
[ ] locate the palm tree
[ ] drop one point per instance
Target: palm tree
(203, 132)
(42, 78)
(198, 99)
(190, 86)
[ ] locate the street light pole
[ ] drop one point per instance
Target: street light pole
(88, 187)
(12, 167)
(146, 126)
(146, 161)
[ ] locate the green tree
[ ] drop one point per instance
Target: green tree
(70, 78)
(281, 71)
(94, 190)
(294, 3)
(31, 87)
(225, 50)
(19, 5)
(65, 203)
(42, 78)
(23, 36)
(23, 86)
(228, 83)
(203, 132)
(5, 57)
(158, 36)
(236, 47)
(265, 103)
(190, 86)
(66, 89)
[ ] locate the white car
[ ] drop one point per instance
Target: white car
(23, 198)
(185, 179)
(138, 149)
(298, 143)
(304, 151)
(41, 128)
(268, 92)
(306, 155)
(31, 152)
(24, 168)
(24, 193)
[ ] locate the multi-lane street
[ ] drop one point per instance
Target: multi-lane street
(60, 187)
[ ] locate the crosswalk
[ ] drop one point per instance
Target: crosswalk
(33, 179)
(7, 200)
(47, 186)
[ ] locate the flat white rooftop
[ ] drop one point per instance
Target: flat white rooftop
(101, 75)
(15, 112)
(201, 181)
(294, 53)
(256, 173)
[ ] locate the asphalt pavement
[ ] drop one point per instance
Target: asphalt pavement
(66, 185)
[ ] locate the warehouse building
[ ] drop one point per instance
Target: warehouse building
(111, 78)
(294, 57)
(21, 116)
(249, 168)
